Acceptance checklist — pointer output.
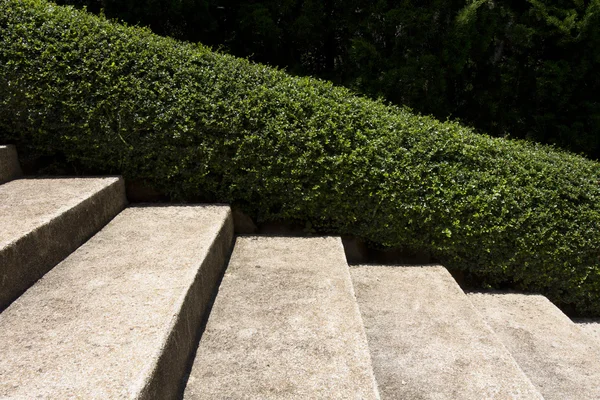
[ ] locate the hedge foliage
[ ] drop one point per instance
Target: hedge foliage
(524, 68)
(191, 121)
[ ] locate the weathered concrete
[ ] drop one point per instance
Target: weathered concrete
(9, 164)
(118, 318)
(591, 327)
(558, 357)
(428, 342)
(285, 325)
(42, 221)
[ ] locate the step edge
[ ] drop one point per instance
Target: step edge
(66, 209)
(156, 380)
(13, 248)
(362, 330)
(581, 322)
(469, 304)
(501, 343)
(557, 313)
(339, 258)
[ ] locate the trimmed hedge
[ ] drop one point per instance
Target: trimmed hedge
(197, 123)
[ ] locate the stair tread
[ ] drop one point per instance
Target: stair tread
(43, 220)
(26, 204)
(558, 357)
(428, 342)
(285, 324)
(9, 164)
(591, 327)
(96, 324)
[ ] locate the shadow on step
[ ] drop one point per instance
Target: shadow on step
(207, 312)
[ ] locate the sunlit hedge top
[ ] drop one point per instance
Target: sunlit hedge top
(197, 123)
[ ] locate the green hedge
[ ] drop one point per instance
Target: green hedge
(197, 123)
(529, 68)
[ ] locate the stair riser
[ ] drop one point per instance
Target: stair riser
(167, 377)
(559, 358)
(27, 259)
(9, 164)
(118, 318)
(428, 342)
(285, 324)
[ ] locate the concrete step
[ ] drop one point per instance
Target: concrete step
(428, 342)
(119, 317)
(285, 324)
(591, 327)
(9, 164)
(562, 361)
(42, 221)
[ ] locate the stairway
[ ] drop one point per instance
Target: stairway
(100, 300)
(559, 357)
(43, 220)
(285, 324)
(426, 337)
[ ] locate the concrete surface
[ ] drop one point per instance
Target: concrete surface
(558, 357)
(428, 342)
(591, 327)
(9, 164)
(42, 221)
(117, 319)
(285, 325)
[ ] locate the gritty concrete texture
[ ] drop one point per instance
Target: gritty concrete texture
(591, 327)
(9, 164)
(558, 357)
(285, 325)
(118, 318)
(428, 342)
(42, 221)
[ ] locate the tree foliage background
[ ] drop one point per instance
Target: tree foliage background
(527, 69)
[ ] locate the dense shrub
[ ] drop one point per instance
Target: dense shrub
(122, 100)
(528, 68)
